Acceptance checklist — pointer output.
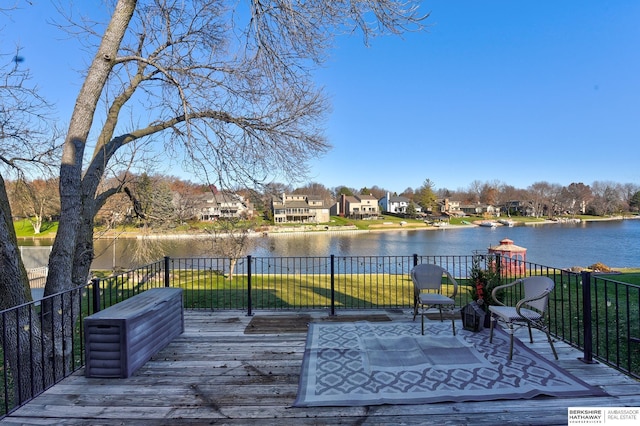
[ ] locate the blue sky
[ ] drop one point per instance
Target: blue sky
(515, 91)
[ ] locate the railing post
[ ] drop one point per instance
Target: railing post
(415, 259)
(95, 289)
(333, 286)
(167, 273)
(249, 301)
(586, 318)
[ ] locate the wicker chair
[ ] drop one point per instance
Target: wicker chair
(427, 288)
(529, 311)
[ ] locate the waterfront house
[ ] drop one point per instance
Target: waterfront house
(478, 209)
(299, 208)
(450, 207)
(521, 208)
(222, 205)
(395, 204)
(356, 206)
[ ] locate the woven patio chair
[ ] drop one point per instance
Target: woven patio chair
(428, 291)
(529, 311)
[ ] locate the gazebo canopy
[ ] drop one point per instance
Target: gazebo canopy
(507, 246)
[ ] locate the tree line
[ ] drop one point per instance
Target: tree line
(165, 201)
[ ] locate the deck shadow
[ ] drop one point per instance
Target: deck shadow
(298, 323)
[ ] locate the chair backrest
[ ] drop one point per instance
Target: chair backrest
(534, 287)
(427, 277)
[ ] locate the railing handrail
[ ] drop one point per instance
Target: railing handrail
(577, 313)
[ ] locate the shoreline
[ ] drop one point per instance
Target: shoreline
(381, 228)
(297, 235)
(375, 228)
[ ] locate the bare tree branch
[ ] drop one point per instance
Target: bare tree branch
(224, 86)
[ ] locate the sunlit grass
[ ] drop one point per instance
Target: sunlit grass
(24, 228)
(277, 291)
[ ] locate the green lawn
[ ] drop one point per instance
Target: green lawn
(25, 229)
(628, 275)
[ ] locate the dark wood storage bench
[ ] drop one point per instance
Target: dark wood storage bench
(121, 338)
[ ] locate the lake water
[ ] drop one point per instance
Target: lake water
(614, 243)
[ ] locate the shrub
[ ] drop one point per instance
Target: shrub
(600, 267)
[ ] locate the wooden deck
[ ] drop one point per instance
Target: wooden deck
(215, 373)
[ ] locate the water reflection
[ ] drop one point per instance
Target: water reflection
(295, 245)
(615, 243)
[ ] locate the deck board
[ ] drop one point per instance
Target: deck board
(216, 373)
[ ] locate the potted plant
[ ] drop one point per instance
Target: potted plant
(475, 316)
(483, 280)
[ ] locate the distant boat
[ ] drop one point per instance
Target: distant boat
(488, 224)
(506, 222)
(569, 220)
(440, 224)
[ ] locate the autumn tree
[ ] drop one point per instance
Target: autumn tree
(554, 196)
(607, 198)
(409, 193)
(509, 193)
(117, 209)
(628, 192)
(490, 192)
(575, 198)
(185, 196)
(540, 194)
(318, 189)
(474, 191)
(276, 189)
(378, 192)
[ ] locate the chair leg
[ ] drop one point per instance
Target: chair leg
(453, 325)
(511, 347)
(491, 330)
(530, 333)
(422, 321)
(555, 354)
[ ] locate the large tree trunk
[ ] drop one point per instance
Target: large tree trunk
(83, 256)
(71, 192)
(279, 134)
(72, 250)
(14, 283)
(20, 327)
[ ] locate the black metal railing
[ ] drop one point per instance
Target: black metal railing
(41, 344)
(611, 308)
(333, 282)
(43, 341)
